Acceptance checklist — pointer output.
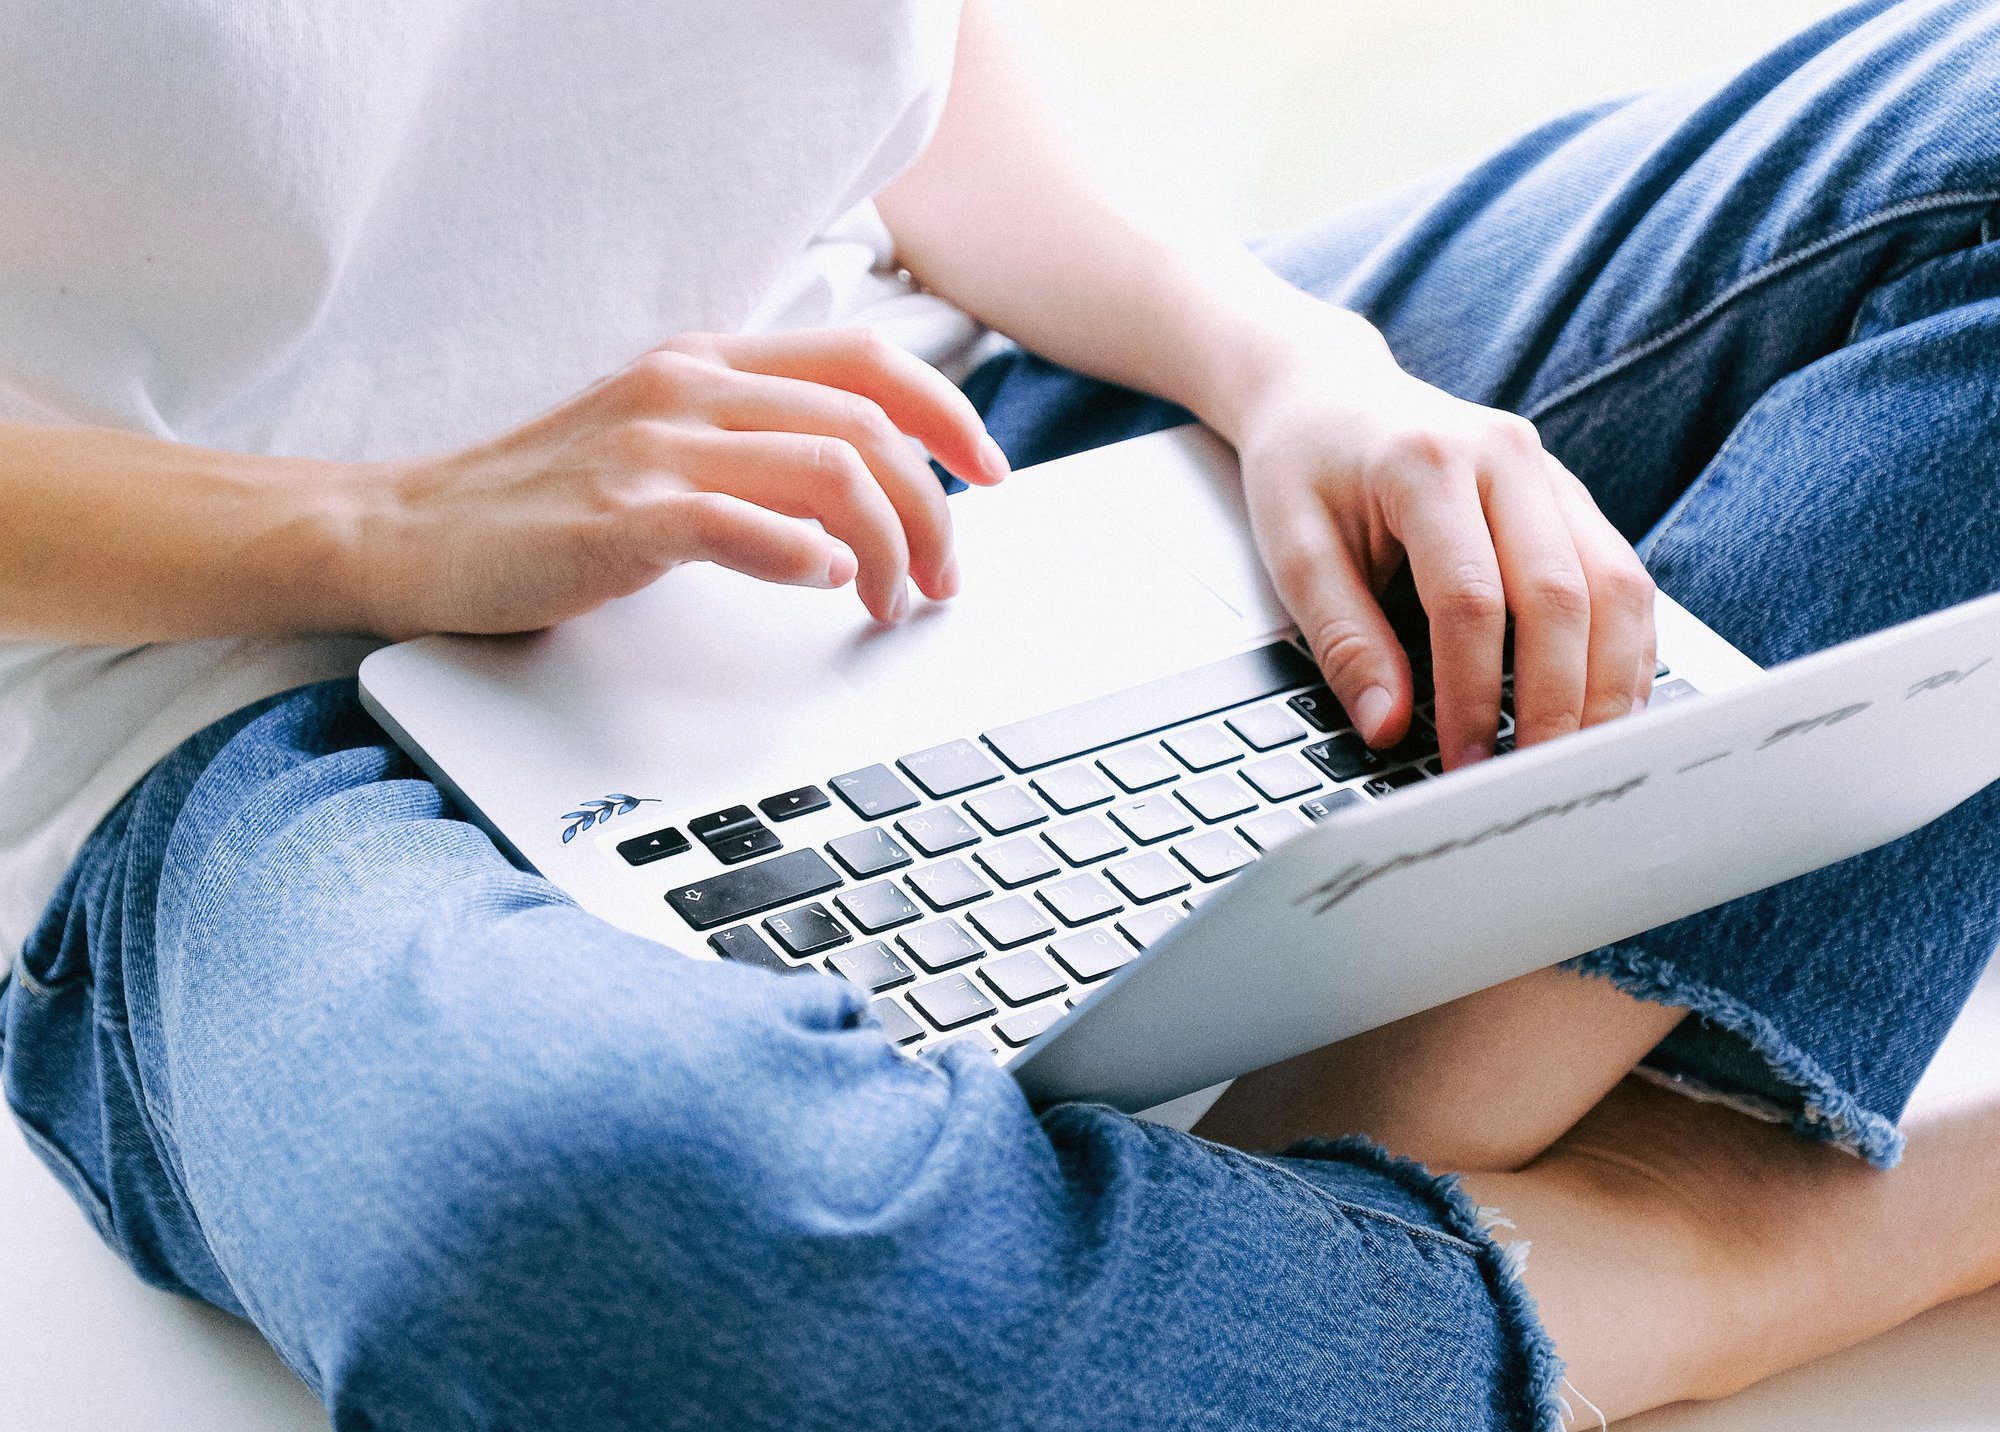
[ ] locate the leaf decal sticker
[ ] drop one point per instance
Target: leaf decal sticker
(592, 813)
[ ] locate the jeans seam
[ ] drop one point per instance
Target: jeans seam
(1757, 278)
(1353, 1210)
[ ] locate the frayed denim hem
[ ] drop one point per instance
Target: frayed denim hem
(1824, 1112)
(1537, 1402)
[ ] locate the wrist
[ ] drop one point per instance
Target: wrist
(356, 529)
(1271, 350)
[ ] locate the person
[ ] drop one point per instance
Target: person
(284, 290)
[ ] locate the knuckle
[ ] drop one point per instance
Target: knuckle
(1472, 599)
(1557, 594)
(1342, 646)
(834, 464)
(663, 376)
(868, 346)
(1418, 453)
(1513, 435)
(1629, 585)
(864, 420)
(637, 445)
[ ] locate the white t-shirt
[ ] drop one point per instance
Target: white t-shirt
(358, 229)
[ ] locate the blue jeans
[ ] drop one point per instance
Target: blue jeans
(304, 1045)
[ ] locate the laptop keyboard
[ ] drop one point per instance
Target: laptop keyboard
(987, 885)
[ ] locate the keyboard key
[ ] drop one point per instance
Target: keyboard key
(873, 792)
(1006, 810)
(896, 1021)
(948, 769)
(746, 947)
(1344, 757)
(745, 845)
(1022, 978)
(655, 845)
(1218, 798)
(1272, 829)
(868, 852)
(734, 835)
(1667, 693)
(1393, 781)
(877, 907)
(1659, 670)
(787, 805)
(1146, 928)
(1025, 1027)
(1279, 778)
(1152, 818)
(1142, 710)
(1138, 768)
(873, 966)
(1086, 839)
(753, 889)
(1079, 899)
(1214, 855)
(705, 828)
(939, 945)
(951, 1002)
(1010, 921)
(1073, 788)
(948, 884)
(1203, 748)
(1435, 765)
(807, 930)
(937, 830)
(1017, 862)
(1321, 711)
(1091, 954)
(1265, 728)
(1320, 807)
(1148, 875)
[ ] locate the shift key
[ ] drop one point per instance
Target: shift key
(753, 889)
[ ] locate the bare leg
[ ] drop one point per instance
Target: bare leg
(1485, 1082)
(1681, 1250)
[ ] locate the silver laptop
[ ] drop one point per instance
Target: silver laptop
(1099, 819)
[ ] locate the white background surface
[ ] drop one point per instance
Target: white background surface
(1273, 110)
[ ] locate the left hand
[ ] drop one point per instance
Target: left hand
(1351, 466)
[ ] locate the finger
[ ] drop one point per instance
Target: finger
(818, 477)
(1623, 639)
(1457, 574)
(1542, 577)
(715, 527)
(754, 402)
(918, 399)
(1322, 585)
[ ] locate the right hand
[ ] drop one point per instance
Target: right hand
(783, 456)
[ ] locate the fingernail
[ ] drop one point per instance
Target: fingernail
(840, 569)
(948, 578)
(1470, 752)
(899, 604)
(1371, 710)
(993, 459)
(1638, 704)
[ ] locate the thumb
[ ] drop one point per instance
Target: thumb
(1351, 639)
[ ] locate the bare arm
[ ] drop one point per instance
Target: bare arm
(1351, 466)
(783, 457)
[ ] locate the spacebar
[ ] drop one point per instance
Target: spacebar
(1141, 710)
(753, 889)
